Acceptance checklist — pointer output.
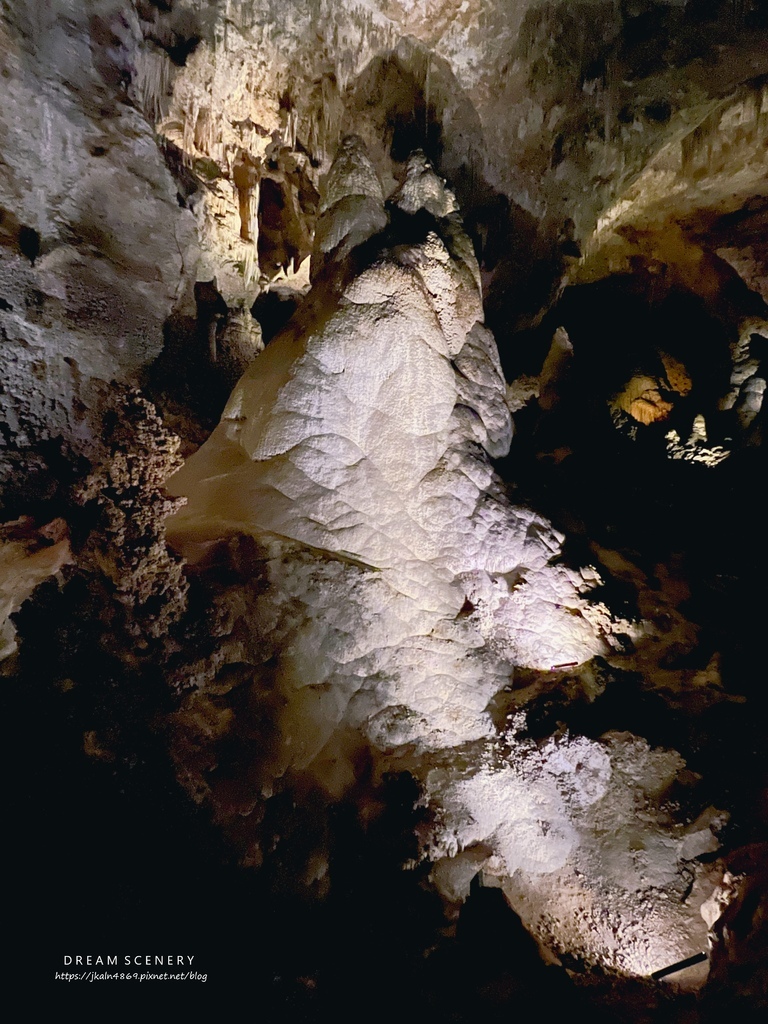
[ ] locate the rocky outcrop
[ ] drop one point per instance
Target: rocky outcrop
(249, 102)
(583, 844)
(95, 247)
(124, 501)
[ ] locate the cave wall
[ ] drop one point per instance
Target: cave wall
(95, 247)
(541, 116)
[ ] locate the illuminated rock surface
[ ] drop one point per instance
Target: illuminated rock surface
(364, 435)
(385, 643)
(27, 557)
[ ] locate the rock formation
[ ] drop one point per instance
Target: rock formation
(300, 607)
(363, 434)
(403, 588)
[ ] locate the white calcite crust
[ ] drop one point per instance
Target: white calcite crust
(403, 587)
(365, 438)
(581, 843)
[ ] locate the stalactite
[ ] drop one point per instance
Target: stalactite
(253, 226)
(427, 85)
(696, 147)
(250, 260)
(152, 81)
(609, 101)
(203, 132)
(188, 127)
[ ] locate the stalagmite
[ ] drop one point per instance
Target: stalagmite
(356, 640)
(404, 585)
(360, 433)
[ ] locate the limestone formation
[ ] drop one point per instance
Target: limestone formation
(275, 279)
(27, 557)
(363, 437)
(416, 587)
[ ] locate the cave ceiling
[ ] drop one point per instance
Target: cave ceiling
(381, 438)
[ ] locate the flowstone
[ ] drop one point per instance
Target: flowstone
(363, 434)
(401, 586)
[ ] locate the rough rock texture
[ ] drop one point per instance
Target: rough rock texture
(255, 98)
(111, 616)
(362, 595)
(352, 205)
(402, 588)
(583, 846)
(124, 500)
(364, 436)
(94, 244)
(28, 556)
(250, 100)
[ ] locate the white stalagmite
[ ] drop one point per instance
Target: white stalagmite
(363, 433)
(351, 206)
(403, 586)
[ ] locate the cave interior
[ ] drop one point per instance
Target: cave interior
(380, 455)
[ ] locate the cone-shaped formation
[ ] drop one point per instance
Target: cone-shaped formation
(402, 587)
(351, 174)
(365, 434)
(422, 189)
(351, 205)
